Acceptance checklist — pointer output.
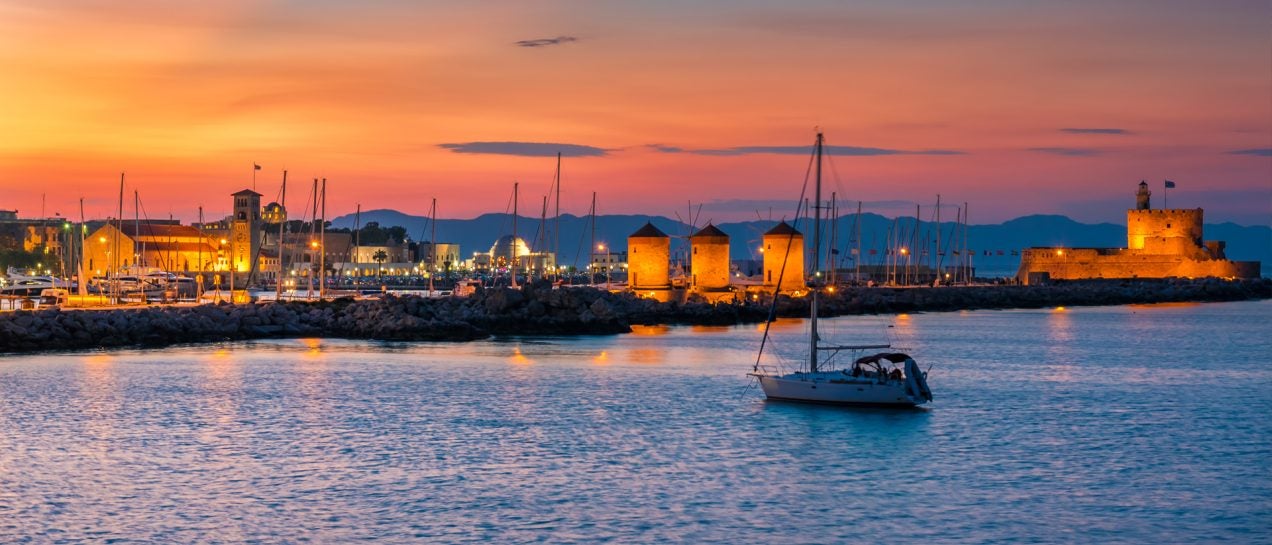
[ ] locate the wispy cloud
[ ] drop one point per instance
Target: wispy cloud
(664, 149)
(1086, 130)
(1069, 152)
(856, 151)
(1261, 152)
(544, 42)
(525, 149)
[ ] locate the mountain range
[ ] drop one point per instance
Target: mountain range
(991, 245)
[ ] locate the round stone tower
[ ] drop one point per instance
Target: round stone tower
(784, 244)
(710, 263)
(648, 259)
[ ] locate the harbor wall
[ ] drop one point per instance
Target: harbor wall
(538, 309)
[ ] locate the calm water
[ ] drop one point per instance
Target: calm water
(1119, 424)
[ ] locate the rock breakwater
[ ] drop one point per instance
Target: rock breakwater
(539, 310)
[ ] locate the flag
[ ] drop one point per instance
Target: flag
(1170, 184)
(255, 166)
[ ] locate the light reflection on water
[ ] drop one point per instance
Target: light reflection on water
(1079, 425)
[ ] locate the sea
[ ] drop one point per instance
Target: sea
(1119, 424)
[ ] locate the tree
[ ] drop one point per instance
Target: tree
(380, 257)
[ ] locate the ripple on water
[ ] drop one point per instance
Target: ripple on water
(1130, 424)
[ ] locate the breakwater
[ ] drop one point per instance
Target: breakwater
(539, 310)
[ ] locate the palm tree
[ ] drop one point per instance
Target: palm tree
(380, 257)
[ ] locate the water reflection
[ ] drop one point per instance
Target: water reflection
(650, 330)
(517, 358)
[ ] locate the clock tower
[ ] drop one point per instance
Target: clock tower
(245, 230)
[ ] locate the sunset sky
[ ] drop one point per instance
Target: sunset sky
(1016, 107)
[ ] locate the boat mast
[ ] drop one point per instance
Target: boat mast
(322, 245)
(591, 266)
(513, 267)
(432, 247)
(282, 224)
(83, 273)
(556, 227)
(814, 284)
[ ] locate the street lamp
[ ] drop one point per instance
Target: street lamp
(609, 265)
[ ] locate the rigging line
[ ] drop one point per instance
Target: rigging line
(768, 322)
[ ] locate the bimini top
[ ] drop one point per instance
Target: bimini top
(648, 231)
(894, 357)
(783, 229)
(710, 231)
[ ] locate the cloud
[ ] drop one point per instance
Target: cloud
(544, 42)
(1069, 152)
(526, 149)
(664, 149)
(1261, 152)
(1094, 131)
(854, 151)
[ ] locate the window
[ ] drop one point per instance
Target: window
(770, 275)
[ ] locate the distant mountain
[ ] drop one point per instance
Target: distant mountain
(1245, 243)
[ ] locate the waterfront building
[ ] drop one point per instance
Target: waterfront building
(153, 245)
(1160, 243)
(709, 264)
(440, 259)
(649, 262)
(783, 248)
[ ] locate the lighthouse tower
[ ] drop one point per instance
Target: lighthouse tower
(1141, 197)
(245, 229)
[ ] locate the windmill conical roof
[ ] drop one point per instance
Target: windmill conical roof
(648, 231)
(710, 231)
(783, 229)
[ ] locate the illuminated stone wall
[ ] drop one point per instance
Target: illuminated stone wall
(775, 253)
(710, 262)
(648, 262)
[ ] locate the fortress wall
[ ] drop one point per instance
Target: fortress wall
(1144, 224)
(1174, 246)
(710, 265)
(1084, 264)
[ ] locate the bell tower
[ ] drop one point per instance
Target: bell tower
(1141, 197)
(245, 231)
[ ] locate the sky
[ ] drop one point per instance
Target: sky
(1015, 108)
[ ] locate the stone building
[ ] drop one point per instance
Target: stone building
(649, 262)
(153, 245)
(1159, 244)
(784, 258)
(709, 264)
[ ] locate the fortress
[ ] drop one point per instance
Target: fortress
(1159, 244)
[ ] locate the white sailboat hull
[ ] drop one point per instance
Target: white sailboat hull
(837, 388)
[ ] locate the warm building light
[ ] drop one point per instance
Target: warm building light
(101, 240)
(1059, 252)
(313, 244)
(904, 251)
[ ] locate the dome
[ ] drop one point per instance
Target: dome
(274, 213)
(502, 249)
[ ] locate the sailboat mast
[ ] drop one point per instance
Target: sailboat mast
(591, 266)
(939, 252)
(282, 224)
(83, 273)
(857, 261)
(556, 227)
(815, 285)
(513, 268)
(322, 245)
(432, 247)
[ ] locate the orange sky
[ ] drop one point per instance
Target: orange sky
(677, 103)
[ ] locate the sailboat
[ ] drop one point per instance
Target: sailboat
(889, 379)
